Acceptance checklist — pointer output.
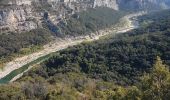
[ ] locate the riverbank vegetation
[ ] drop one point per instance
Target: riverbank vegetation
(14, 45)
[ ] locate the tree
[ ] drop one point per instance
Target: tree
(156, 85)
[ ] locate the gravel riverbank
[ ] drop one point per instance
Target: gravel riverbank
(62, 43)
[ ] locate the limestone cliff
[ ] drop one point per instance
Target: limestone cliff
(108, 3)
(25, 15)
(17, 18)
(144, 4)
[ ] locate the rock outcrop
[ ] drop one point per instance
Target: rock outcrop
(107, 3)
(25, 15)
(144, 4)
(17, 18)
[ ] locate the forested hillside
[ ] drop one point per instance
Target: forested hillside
(123, 67)
(120, 59)
(12, 44)
(76, 86)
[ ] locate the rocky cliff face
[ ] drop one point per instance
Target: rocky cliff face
(21, 15)
(17, 18)
(25, 15)
(144, 4)
(108, 3)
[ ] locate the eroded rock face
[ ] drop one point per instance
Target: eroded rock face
(144, 4)
(20, 2)
(17, 19)
(25, 15)
(108, 3)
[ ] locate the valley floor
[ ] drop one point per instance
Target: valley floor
(61, 43)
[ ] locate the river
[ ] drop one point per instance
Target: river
(15, 69)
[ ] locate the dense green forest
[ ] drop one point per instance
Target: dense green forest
(124, 67)
(13, 43)
(77, 86)
(120, 59)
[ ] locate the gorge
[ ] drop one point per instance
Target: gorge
(25, 15)
(84, 49)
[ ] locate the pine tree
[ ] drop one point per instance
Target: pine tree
(156, 85)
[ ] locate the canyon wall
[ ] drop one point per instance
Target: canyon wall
(143, 4)
(25, 15)
(17, 19)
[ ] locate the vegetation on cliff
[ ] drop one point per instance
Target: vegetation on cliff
(90, 21)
